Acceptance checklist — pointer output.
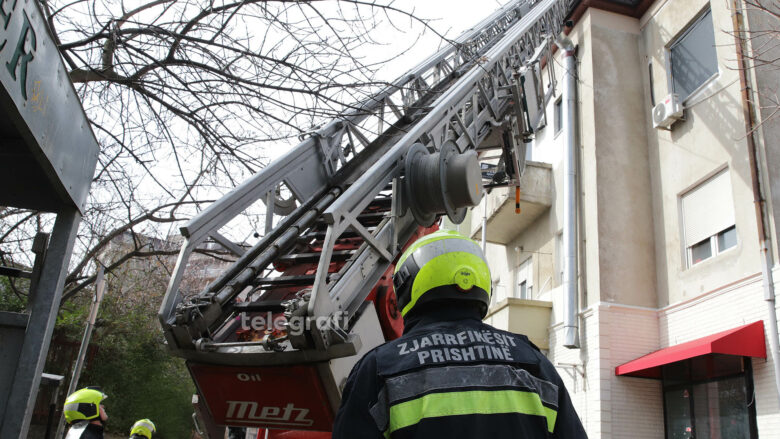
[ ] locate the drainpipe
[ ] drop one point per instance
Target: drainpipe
(484, 225)
(571, 337)
(758, 200)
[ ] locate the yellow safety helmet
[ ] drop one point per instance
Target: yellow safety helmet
(442, 265)
(144, 428)
(83, 405)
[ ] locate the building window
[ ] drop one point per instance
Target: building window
(525, 280)
(558, 115)
(710, 397)
(692, 56)
(708, 219)
(523, 289)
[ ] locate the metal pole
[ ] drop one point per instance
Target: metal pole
(484, 225)
(100, 289)
(571, 338)
(43, 315)
(269, 212)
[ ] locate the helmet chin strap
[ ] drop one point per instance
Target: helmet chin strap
(99, 419)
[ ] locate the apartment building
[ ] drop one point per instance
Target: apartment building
(674, 332)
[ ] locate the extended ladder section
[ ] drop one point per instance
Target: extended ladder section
(272, 338)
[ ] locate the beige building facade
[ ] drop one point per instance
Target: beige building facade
(667, 238)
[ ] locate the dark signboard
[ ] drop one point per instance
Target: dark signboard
(47, 149)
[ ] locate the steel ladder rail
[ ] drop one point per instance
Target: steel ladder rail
(208, 222)
(335, 205)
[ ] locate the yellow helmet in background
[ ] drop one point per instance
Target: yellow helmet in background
(144, 428)
(444, 265)
(83, 405)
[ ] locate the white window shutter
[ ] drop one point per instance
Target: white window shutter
(708, 209)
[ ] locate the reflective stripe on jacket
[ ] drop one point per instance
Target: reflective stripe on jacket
(456, 378)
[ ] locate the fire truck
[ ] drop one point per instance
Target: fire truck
(271, 340)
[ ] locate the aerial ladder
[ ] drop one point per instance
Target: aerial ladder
(271, 340)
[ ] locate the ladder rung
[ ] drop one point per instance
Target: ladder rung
(367, 219)
(305, 279)
(300, 280)
(338, 255)
(320, 235)
(274, 306)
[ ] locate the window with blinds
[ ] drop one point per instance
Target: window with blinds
(708, 219)
(693, 56)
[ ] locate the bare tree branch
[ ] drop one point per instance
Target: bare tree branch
(187, 98)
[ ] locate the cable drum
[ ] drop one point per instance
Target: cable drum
(421, 186)
(442, 182)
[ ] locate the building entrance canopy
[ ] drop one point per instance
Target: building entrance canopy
(743, 341)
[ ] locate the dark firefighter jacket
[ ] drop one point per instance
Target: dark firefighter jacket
(85, 430)
(452, 376)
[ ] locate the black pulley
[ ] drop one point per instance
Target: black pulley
(446, 181)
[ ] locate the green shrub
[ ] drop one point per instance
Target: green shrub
(131, 364)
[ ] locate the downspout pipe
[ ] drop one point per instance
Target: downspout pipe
(484, 225)
(758, 201)
(571, 337)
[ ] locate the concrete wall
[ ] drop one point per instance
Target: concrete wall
(711, 138)
(625, 224)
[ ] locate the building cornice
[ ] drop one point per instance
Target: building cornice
(635, 11)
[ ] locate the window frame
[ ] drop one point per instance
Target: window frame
(686, 253)
(715, 249)
(557, 116)
(524, 267)
(677, 40)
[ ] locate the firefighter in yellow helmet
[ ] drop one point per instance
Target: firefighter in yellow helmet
(450, 375)
(143, 428)
(85, 414)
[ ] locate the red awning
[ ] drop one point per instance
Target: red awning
(746, 341)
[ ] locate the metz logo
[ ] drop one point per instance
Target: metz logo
(247, 411)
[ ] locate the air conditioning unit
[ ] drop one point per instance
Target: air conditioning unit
(668, 111)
